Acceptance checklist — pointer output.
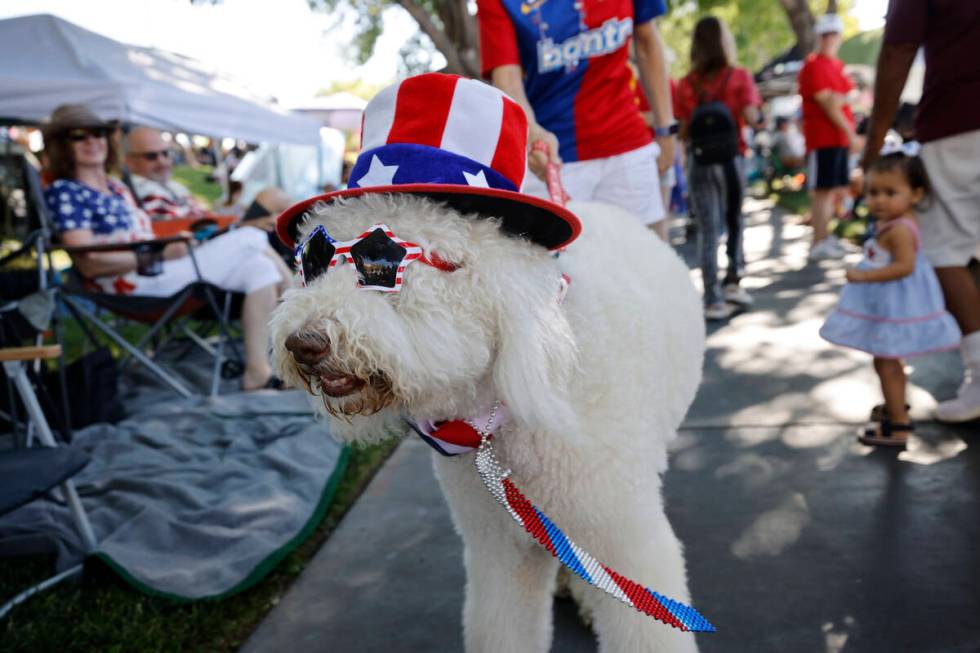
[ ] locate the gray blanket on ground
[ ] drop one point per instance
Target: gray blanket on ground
(192, 498)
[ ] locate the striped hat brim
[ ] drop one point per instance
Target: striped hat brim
(540, 221)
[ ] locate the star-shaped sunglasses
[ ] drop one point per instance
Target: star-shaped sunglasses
(379, 256)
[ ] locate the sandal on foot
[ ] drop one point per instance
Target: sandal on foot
(879, 412)
(886, 434)
(274, 383)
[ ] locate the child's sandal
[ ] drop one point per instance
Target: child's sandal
(879, 412)
(886, 434)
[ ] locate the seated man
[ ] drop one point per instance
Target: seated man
(148, 158)
(788, 144)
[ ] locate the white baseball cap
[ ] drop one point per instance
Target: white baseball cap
(829, 24)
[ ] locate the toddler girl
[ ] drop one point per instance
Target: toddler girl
(892, 306)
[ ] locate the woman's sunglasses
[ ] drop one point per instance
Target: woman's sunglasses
(379, 256)
(79, 135)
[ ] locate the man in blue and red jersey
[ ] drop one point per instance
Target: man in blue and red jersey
(566, 63)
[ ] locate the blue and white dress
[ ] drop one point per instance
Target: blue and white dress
(893, 319)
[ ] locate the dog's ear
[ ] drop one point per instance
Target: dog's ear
(536, 352)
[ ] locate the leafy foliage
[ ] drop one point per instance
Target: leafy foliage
(760, 27)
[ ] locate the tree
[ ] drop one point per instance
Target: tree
(801, 21)
(449, 27)
(448, 24)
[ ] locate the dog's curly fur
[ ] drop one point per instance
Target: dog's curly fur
(596, 387)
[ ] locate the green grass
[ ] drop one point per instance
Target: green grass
(793, 201)
(102, 613)
(198, 183)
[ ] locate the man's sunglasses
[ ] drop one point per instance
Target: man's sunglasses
(379, 256)
(152, 156)
(79, 135)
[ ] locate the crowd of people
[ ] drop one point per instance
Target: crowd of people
(567, 66)
(89, 206)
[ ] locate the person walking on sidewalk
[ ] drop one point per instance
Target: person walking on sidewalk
(714, 101)
(948, 125)
(828, 126)
(566, 64)
(892, 306)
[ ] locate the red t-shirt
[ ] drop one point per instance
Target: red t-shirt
(820, 72)
(737, 92)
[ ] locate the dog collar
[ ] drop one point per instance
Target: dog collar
(458, 436)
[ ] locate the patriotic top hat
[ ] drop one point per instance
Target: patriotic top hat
(454, 140)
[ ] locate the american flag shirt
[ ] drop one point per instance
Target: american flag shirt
(112, 217)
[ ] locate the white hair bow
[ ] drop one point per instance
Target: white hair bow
(908, 148)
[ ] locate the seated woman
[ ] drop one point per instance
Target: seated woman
(88, 207)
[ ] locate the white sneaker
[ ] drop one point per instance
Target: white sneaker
(719, 311)
(844, 246)
(736, 294)
(828, 248)
(964, 407)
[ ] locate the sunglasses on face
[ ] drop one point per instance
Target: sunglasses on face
(379, 256)
(79, 135)
(153, 156)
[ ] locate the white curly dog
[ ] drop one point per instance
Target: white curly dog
(595, 388)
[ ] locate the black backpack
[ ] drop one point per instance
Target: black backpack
(713, 131)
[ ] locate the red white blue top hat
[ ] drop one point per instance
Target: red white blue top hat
(454, 140)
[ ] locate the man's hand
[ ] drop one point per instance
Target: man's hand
(666, 157)
(175, 250)
(536, 160)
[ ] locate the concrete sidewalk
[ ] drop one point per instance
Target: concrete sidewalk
(798, 539)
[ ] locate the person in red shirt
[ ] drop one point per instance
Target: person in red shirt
(828, 126)
(717, 188)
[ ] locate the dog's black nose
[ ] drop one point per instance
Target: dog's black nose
(307, 349)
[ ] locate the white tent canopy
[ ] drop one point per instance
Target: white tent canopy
(341, 110)
(46, 61)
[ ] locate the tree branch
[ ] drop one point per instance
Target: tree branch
(455, 60)
(801, 21)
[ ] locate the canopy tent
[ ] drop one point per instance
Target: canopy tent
(46, 61)
(340, 110)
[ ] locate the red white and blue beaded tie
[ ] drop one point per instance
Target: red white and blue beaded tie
(450, 439)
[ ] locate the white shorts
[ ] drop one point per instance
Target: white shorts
(630, 181)
(951, 218)
(235, 261)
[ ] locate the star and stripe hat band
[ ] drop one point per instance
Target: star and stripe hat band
(453, 140)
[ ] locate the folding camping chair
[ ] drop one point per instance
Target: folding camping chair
(29, 473)
(158, 312)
